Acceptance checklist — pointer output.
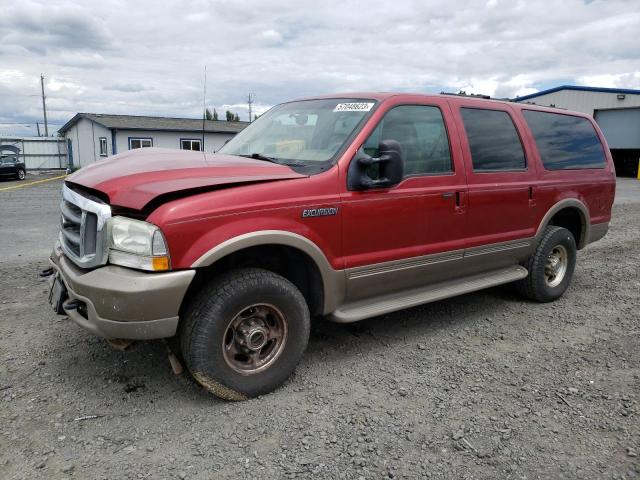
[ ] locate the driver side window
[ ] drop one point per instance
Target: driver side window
(421, 133)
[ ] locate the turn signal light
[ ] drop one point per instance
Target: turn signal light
(160, 264)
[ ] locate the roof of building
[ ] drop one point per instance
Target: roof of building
(625, 91)
(135, 122)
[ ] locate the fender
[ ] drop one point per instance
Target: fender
(333, 281)
(584, 217)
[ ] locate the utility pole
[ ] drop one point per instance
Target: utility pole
(249, 102)
(44, 108)
(38, 127)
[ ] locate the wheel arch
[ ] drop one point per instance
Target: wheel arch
(571, 214)
(289, 254)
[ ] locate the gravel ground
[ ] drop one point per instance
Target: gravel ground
(481, 386)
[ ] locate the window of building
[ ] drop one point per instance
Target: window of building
(493, 140)
(564, 141)
(190, 144)
(103, 146)
(140, 143)
(421, 132)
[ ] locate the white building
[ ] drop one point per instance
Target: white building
(616, 110)
(92, 136)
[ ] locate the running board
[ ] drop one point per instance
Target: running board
(361, 309)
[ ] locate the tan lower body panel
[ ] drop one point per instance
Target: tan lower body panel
(372, 280)
(497, 255)
(359, 310)
(597, 231)
(398, 276)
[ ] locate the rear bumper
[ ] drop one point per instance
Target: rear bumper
(124, 303)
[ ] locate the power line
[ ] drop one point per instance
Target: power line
(25, 124)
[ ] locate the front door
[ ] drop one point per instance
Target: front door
(413, 233)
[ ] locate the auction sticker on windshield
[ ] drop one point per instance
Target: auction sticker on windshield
(353, 107)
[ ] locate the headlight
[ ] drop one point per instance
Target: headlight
(137, 244)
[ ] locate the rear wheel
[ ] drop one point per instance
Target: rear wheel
(244, 333)
(551, 266)
(21, 174)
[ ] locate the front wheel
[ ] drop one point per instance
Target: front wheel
(244, 333)
(21, 174)
(550, 266)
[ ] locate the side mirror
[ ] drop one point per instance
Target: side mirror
(390, 167)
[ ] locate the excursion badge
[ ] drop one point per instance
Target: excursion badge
(319, 212)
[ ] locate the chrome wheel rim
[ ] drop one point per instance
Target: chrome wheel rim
(254, 338)
(556, 266)
(21, 174)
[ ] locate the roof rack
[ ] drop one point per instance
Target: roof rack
(462, 93)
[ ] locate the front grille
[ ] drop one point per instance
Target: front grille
(70, 225)
(83, 228)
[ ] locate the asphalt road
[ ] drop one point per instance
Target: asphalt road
(29, 215)
(486, 385)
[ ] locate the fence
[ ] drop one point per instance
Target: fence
(40, 153)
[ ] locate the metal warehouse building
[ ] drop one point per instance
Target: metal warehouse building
(92, 136)
(617, 111)
(39, 153)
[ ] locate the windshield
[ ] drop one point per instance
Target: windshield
(307, 133)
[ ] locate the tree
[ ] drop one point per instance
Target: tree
(208, 115)
(232, 117)
(215, 114)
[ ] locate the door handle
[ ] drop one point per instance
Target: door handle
(532, 197)
(459, 202)
(459, 206)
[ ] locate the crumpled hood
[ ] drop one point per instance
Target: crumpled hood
(134, 178)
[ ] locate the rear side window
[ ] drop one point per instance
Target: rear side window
(493, 140)
(564, 141)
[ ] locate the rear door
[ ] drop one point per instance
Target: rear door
(413, 233)
(501, 184)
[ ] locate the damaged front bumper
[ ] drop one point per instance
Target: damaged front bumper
(117, 302)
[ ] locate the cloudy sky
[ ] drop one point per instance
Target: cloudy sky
(148, 57)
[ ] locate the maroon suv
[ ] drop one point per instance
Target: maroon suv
(342, 207)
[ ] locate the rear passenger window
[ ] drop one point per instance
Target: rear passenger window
(493, 140)
(421, 132)
(564, 141)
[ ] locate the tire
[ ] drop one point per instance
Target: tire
(21, 175)
(225, 323)
(550, 267)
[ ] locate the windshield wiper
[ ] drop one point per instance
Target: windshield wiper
(260, 156)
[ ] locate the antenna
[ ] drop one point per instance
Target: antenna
(204, 103)
(249, 102)
(44, 107)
